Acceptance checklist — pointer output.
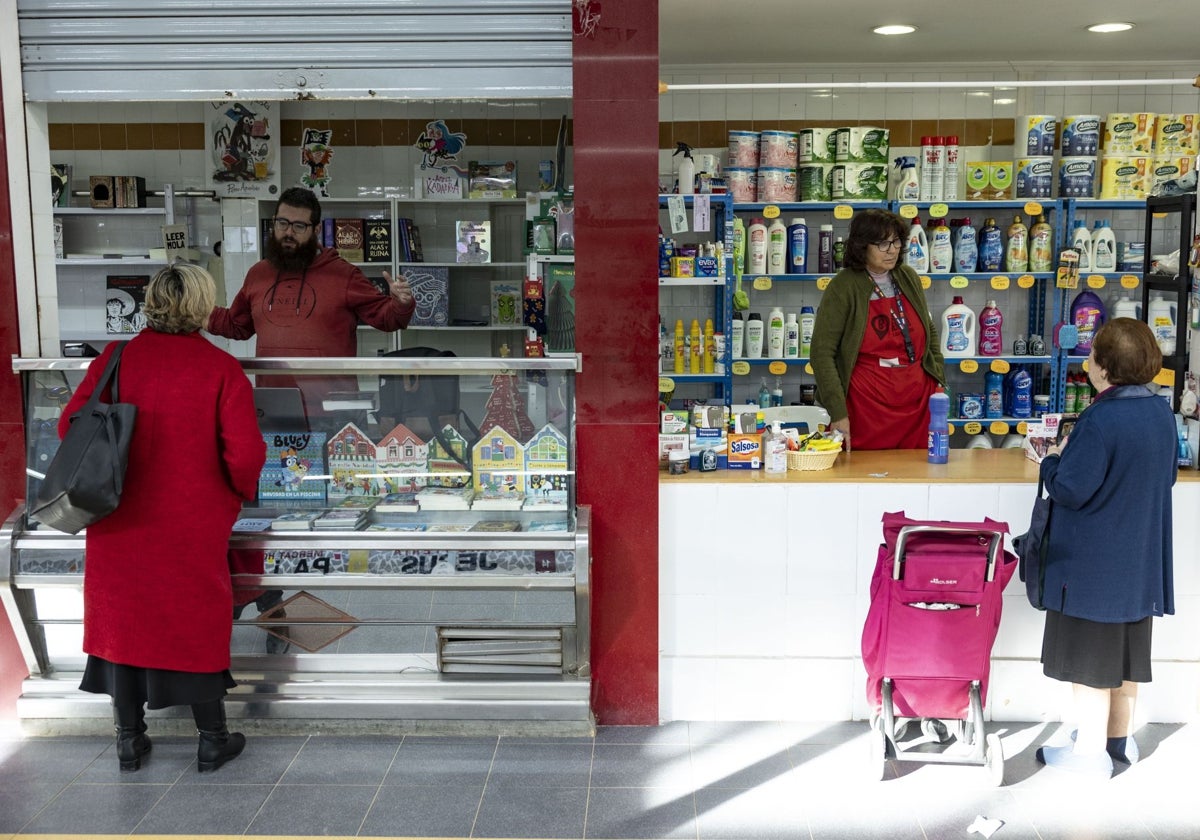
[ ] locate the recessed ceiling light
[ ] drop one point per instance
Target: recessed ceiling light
(894, 29)
(1110, 27)
(1003, 101)
(979, 93)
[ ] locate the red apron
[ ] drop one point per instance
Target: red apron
(888, 398)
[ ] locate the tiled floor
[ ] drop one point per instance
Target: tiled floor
(681, 780)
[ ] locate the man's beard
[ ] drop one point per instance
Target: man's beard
(297, 260)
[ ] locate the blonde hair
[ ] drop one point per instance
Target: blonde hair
(179, 299)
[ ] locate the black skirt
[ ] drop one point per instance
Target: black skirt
(156, 687)
(1094, 654)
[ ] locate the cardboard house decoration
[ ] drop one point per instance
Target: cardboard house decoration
(402, 459)
(452, 464)
(352, 464)
(546, 464)
(498, 464)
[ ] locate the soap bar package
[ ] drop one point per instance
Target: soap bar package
(745, 452)
(668, 444)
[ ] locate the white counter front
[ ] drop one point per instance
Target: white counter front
(764, 585)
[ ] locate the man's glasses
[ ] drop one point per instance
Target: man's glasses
(888, 245)
(282, 225)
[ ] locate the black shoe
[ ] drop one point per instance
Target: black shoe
(132, 746)
(217, 748)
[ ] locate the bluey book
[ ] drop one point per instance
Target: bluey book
(295, 467)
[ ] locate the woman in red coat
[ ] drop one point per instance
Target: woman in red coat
(157, 596)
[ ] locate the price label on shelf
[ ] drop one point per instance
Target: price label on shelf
(1084, 365)
(908, 211)
(843, 212)
(762, 284)
(973, 428)
(999, 366)
(777, 367)
(808, 368)
(926, 281)
(998, 427)
(740, 368)
(968, 366)
(823, 283)
(665, 384)
(677, 210)
(701, 214)
(1129, 281)
(1033, 208)
(952, 427)
(771, 211)
(1025, 281)
(937, 211)
(1022, 428)
(1000, 283)
(1096, 281)
(958, 282)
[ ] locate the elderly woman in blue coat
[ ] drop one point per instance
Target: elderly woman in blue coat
(1109, 569)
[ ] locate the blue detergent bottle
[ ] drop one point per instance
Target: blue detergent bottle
(966, 251)
(939, 427)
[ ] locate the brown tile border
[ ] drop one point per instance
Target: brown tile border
(710, 134)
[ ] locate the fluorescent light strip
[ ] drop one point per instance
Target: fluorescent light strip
(1008, 83)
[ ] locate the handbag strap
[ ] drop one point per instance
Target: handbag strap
(109, 374)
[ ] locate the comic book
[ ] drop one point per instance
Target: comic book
(295, 467)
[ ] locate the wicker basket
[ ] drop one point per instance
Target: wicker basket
(812, 460)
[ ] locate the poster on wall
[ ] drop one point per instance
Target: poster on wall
(242, 144)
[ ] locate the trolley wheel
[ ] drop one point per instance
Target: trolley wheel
(994, 760)
(881, 750)
(935, 730)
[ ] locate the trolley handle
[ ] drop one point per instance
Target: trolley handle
(997, 540)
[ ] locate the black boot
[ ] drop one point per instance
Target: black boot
(217, 744)
(133, 744)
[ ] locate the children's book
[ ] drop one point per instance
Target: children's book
(505, 303)
(473, 241)
(403, 502)
(340, 519)
(492, 178)
(299, 520)
(252, 525)
(360, 503)
(431, 288)
(291, 460)
(396, 526)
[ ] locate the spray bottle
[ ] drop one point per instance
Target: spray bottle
(686, 174)
(908, 185)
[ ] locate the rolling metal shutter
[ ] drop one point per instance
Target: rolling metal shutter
(161, 50)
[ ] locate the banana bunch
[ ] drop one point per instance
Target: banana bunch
(818, 442)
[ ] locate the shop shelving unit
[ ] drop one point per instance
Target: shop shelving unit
(1175, 285)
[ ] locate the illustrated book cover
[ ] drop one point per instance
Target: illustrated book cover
(378, 240)
(505, 303)
(125, 303)
(473, 241)
(431, 289)
(295, 468)
(348, 239)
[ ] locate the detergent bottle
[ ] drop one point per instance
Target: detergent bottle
(1041, 245)
(991, 328)
(941, 251)
(966, 250)
(1016, 255)
(991, 246)
(957, 329)
(908, 185)
(1104, 247)
(939, 427)
(1088, 316)
(918, 248)
(1162, 323)
(1081, 241)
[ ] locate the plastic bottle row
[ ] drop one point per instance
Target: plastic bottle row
(959, 326)
(954, 246)
(783, 249)
(780, 337)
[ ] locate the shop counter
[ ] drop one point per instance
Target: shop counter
(764, 584)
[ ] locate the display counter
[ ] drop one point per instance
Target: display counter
(475, 612)
(764, 584)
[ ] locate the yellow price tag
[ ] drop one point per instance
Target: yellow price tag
(762, 284)
(823, 283)
(771, 211)
(1022, 428)
(998, 427)
(999, 366)
(1000, 283)
(843, 212)
(740, 368)
(958, 282)
(665, 384)
(1129, 281)
(1096, 281)
(937, 211)
(808, 368)
(908, 211)
(926, 281)
(777, 367)
(1033, 208)
(1026, 281)
(1084, 365)
(951, 429)
(1159, 215)
(1165, 377)
(968, 366)
(973, 428)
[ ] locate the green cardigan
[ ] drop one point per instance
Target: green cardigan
(841, 323)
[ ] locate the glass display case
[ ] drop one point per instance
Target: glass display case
(415, 550)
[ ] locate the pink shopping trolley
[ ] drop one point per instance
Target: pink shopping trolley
(936, 598)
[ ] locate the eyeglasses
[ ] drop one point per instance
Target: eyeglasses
(282, 225)
(888, 245)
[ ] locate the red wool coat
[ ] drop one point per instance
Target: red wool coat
(156, 588)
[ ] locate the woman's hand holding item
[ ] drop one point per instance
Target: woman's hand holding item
(842, 426)
(1057, 448)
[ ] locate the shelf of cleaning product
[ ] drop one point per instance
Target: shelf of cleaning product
(1013, 360)
(988, 275)
(691, 281)
(1017, 204)
(1109, 204)
(815, 206)
(721, 198)
(988, 421)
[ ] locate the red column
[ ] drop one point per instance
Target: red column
(616, 293)
(12, 429)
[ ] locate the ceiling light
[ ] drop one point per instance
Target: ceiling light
(894, 29)
(1110, 27)
(1003, 101)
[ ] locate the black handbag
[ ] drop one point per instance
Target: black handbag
(1031, 549)
(84, 480)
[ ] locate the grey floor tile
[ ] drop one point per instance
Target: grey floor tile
(822, 732)
(49, 759)
(564, 615)
(1068, 808)
(205, 809)
(338, 760)
(97, 809)
(20, 801)
(649, 813)
(169, 758)
(442, 761)
(949, 817)
(451, 613)
(360, 598)
(413, 811)
(265, 759)
(384, 639)
(705, 733)
(641, 765)
(314, 810)
(523, 810)
(739, 764)
(675, 732)
(466, 596)
(537, 765)
(770, 810)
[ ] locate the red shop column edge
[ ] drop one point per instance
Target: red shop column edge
(615, 112)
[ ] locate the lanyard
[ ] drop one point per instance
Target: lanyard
(900, 318)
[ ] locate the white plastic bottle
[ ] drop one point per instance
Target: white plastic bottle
(966, 251)
(941, 250)
(1081, 241)
(687, 169)
(754, 336)
(791, 337)
(1104, 247)
(918, 248)
(775, 334)
(807, 318)
(777, 247)
(1126, 308)
(956, 330)
(908, 183)
(1162, 322)
(756, 247)
(774, 446)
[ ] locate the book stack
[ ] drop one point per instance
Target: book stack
(536, 504)
(299, 520)
(409, 236)
(397, 527)
(446, 498)
(494, 500)
(402, 502)
(349, 514)
(496, 525)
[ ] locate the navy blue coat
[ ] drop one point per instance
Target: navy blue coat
(1109, 556)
